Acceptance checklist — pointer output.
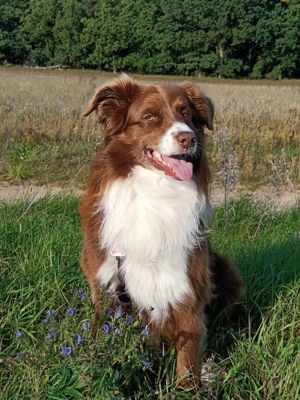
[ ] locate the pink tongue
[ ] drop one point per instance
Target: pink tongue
(183, 169)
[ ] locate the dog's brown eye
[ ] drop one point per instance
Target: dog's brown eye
(185, 114)
(149, 117)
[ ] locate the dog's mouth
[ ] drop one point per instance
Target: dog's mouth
(175, 166)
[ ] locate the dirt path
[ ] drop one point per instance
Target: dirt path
(280, 201)
(9, 193)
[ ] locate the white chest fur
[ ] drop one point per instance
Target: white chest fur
(156, 220)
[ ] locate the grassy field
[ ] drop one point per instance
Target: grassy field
(44, 138)
(46, 351)
(46, 348)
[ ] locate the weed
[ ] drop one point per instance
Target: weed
(281, 170)
(17, 171)
(229, 173)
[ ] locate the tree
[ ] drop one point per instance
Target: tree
(38, 23)
(66, 33)
(12, 46)
(222, 38)
(107, 34)
(277, 35)
(143, 56)
(286, 52)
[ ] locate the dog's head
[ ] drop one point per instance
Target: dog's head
(159, 127)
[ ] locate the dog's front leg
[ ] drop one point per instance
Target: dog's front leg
(90, 262)
(189, 332)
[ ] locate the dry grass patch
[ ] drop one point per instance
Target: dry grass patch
(41, 111)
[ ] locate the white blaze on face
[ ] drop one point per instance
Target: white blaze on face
(169, 156)
(168, 145)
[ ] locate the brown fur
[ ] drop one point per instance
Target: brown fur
(119, 106)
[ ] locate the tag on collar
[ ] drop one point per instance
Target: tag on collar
(118, 252)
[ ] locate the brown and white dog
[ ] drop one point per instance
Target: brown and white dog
(147, 196)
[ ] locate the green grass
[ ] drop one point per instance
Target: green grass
(39, 272)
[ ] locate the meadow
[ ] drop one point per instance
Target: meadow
(43, 136)
(46, 351)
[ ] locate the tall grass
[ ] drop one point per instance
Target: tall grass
(41, 111)
(46, 350)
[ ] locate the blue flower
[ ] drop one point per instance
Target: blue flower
(80, 293)
(19, 334)
(147, 364)
(66, 351)
(119, 312)
(50, 315)
(71, 311)
(19, 354)
(106, 328)
(83, 297)
(86, 326)
(51, 333)
(108, 311)
(146, 331)
(78, 338)
(129, 319)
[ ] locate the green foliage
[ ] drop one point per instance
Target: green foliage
(191, 37)
(17, 157)
(12, 46)
(17, 171)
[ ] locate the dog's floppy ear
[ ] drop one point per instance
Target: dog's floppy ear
(202, 106)
(111, 102)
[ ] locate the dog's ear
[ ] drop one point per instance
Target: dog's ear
(202, 106)
(111, 102)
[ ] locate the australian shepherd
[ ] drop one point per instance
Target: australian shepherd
(146, 210)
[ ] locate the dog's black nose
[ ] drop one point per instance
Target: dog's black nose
(186, 139)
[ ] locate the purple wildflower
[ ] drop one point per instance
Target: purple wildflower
(80, 293)
(129, 319)
(71, 311)
(50, 315)
(19, 354)
(86, 326)
(19, 334)
(146, 331)
(106, 328)
(66, 351)
(78, 338)
(147, 364)
(51, 333)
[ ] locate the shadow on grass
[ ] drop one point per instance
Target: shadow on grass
(265, 248)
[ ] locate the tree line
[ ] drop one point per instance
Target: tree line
(225, 38)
